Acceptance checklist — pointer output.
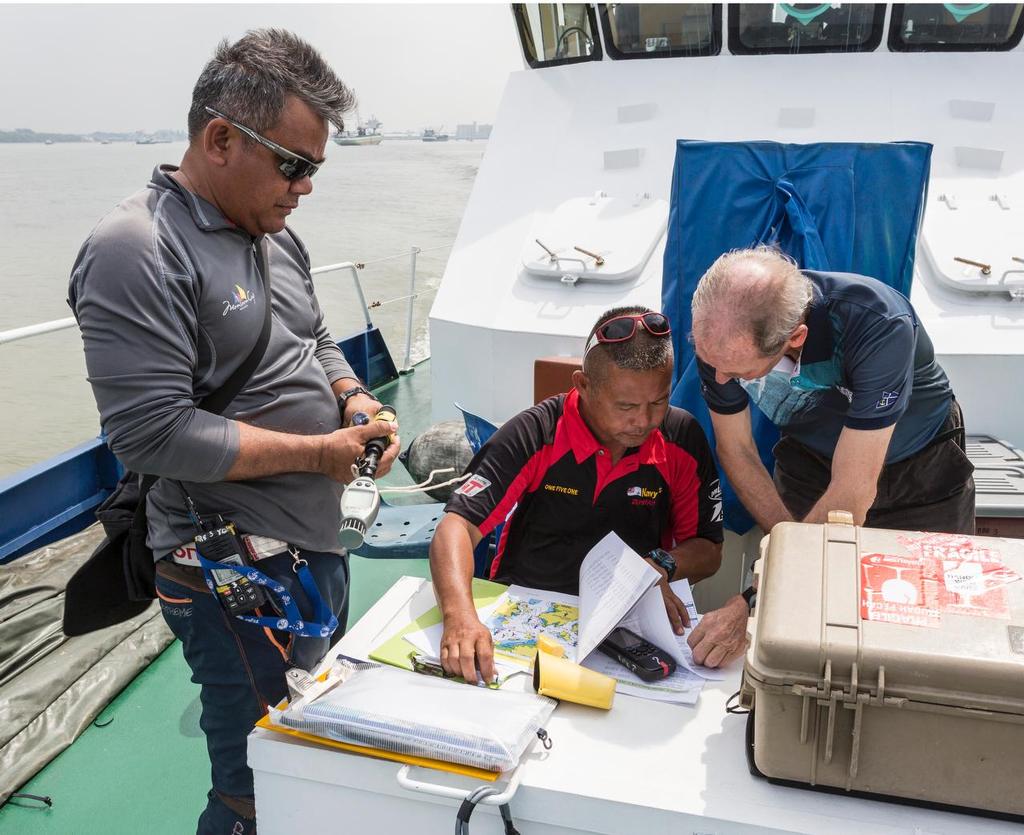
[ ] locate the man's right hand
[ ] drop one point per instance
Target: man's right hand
(466, 647)
(341, 448)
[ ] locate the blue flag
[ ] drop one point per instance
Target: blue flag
(834, 206)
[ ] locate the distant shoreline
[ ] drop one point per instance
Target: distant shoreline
(26, 136)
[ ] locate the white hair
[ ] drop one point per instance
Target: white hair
(759, 292)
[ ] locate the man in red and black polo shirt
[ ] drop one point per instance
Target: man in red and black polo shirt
(611, 455)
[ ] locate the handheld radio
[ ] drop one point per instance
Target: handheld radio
(237, 594)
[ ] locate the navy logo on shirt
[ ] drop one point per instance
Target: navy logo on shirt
(643, 495)
(887, 398)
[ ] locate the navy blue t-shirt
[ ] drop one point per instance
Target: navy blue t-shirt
(867, 363)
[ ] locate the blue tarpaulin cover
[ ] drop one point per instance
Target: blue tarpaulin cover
(840, 206)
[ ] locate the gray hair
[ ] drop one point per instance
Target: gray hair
(644, 352)
(251, 79)
(759, 292)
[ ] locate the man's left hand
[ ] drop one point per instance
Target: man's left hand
(360, 403)
(721, 635)
(369, 406)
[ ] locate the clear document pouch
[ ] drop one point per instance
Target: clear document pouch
(424, 716)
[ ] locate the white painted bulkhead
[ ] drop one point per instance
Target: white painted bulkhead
(567, 132)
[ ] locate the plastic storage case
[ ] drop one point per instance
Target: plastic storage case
(890, 663)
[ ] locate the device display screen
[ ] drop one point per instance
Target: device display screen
(227, 576)
(625, 639)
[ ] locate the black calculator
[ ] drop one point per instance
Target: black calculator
(637, 655)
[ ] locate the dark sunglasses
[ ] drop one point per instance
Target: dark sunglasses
(623, 328)
(293, 165)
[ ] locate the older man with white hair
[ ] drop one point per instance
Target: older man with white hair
(842, 366)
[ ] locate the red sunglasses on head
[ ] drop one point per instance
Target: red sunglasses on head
(623, 328)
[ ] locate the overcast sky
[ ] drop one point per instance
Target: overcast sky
(82, 68)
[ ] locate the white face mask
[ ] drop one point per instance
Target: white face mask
(774, 388)
(787, 367)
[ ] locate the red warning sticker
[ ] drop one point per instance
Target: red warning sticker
(945, 574)
(896, 589)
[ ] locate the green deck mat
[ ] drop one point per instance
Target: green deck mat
(147, 771)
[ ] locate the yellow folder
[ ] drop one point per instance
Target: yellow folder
(379, 753)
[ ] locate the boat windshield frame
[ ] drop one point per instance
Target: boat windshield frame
(526, 42)
(898, 44)
(738, 47)
(617, 54)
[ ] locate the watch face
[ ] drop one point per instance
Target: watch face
(664, 559)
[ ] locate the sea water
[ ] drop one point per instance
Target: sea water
(368, 202)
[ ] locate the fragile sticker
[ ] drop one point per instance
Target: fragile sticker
(971, 577)
(897, 589)
(975, 587)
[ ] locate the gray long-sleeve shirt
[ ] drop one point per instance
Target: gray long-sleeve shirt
(170, 302)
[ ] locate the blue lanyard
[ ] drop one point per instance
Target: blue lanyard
(293, 620)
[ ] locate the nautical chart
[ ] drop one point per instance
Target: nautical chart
(518, 621)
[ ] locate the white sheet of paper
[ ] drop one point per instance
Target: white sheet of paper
(682, 687)
(649, 619)
(685, 593)
(613, 577)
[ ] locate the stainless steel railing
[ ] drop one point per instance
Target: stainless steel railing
(352, 267)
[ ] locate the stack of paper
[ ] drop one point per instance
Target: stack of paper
(617, 588)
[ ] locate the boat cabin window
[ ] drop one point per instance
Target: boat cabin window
(955, 27)
(557, 33)
(784, 28)
(656, 30)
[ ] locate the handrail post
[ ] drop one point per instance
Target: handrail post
(407, 362)
(359, 292)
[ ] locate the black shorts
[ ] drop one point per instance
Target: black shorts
(932, 490)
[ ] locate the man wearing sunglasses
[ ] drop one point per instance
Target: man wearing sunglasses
(610, 455)
(842, 365)
(171, 291)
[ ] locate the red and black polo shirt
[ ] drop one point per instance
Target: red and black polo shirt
(546, 473)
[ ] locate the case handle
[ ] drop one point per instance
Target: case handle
(452, 793)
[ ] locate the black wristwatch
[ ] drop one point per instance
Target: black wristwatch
(661, 557)
(352, 392)
(749, 594)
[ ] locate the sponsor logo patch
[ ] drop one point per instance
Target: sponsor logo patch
(715, 496)
(240, 300)
(473, 485)
(643, 496)
(643, 492)
(888, 397)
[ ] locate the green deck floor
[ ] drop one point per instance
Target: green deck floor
(147, 771)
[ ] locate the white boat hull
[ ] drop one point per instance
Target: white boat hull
(372, 139)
